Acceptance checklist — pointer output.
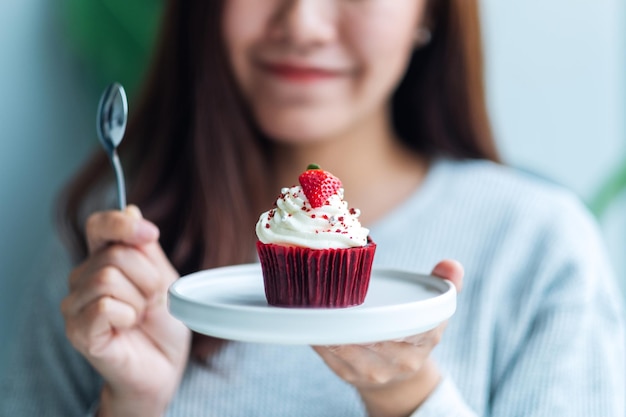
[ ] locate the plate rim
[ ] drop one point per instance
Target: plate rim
(433, 280)
(446, 301)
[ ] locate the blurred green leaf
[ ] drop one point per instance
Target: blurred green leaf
(609, 191)
(114, 38)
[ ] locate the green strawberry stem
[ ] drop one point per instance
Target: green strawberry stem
(313, 166)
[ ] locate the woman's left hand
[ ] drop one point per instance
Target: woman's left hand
(393, 377)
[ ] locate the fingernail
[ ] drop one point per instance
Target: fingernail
(146, 230)
(134, 211)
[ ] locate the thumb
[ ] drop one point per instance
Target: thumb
(153, 249)
(133, 211)
(450, 270)
(114, 226)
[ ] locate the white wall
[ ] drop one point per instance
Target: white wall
(556, 75)
(46, 125)
(556, 81)
(557, 94)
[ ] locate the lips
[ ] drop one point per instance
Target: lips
(301, 73)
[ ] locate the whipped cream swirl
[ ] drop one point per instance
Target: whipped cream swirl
(294, 222)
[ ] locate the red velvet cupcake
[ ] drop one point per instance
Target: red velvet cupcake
(313, 250)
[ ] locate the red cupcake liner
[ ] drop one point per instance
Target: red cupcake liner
(303, 277)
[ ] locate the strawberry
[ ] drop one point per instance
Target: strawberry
(318, 185)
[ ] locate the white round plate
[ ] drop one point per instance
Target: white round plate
(230, 303)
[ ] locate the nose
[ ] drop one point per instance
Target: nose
(304, 24)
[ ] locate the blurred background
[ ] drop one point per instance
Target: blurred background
(556, 76)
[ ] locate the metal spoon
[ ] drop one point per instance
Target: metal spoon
(111, 125)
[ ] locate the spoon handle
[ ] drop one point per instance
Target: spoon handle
(119, 177)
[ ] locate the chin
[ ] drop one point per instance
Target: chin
(298, 130)
(296, 137)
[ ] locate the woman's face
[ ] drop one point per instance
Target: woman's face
(315, 69)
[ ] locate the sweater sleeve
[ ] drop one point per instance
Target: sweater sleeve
(45, 376)
(568, 354)
(446, 401)
(560, 340)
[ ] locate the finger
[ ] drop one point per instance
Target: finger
(159, 259)
(406, 357)
(368, 366)
(342, 368)
(137, 267)
(93, 328)
(153, 250)
(131, 262)
(103, 228)
(433, 335)
(108, 281)
(450, 270)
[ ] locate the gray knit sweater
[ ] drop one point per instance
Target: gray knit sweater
(538, 331)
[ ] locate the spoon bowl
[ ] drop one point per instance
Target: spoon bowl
(111, 124)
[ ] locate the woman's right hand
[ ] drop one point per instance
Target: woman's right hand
(116, 315)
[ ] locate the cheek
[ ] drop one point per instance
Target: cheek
(381, 48)
(244, 20)
(243, 24)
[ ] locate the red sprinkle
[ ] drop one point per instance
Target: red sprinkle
(267, 225)
(312, 216)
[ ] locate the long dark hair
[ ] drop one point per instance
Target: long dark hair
(440, 107)
(198, 168)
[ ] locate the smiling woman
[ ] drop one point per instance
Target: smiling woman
(241, 96)
(311, 70)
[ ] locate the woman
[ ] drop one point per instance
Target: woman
(389, 97)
